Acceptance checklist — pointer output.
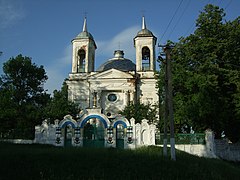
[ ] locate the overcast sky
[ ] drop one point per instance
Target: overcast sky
(43, 29)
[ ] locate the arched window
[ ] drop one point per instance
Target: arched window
(81, 60)
(145, 58)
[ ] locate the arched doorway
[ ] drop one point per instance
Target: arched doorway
(81, 60)
(121, 128)
(68, 135)
(94, 130)
(145, 59)
(68, 132)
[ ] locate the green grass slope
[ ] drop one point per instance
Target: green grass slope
(48, 162)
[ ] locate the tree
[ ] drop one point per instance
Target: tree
(25, 78)
(22, 95)
(59, 106)
(7, 112)
(206, 75)
(160, 85)
(140, 111)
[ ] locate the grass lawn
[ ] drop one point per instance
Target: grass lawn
(49, 162)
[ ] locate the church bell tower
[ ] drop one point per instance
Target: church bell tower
(145, 43)
(83, 55)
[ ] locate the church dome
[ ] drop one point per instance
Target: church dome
(118, 62)
(84, 35)
(145, 33)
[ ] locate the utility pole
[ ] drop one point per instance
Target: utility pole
(165, 113)
(166, 104)
(169, 99)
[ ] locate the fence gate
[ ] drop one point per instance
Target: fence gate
(120, 133)
(93, 135)
(68, 134)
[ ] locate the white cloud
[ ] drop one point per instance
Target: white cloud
(67, 56)
(58, 71)
(10, 13)
(124, 39)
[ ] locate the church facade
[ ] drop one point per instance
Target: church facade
(117, 82)
(102, 93)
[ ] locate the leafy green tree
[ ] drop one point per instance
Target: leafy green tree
(59, 106)
(206, 75)
(160, 85)
(140, 111)
(25, 78)
(7, 112)
(22, 96)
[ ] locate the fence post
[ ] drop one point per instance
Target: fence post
(210, 144)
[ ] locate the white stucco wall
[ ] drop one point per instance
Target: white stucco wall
(141, 42)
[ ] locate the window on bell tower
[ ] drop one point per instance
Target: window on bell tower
(81, 60)
(145, 58)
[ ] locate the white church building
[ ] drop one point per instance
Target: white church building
(103, 93)
(118, 81)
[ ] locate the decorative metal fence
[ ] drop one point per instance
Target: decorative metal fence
(182, 138)
(93, 136)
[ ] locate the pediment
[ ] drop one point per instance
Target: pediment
(112, 74)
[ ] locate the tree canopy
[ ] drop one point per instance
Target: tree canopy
(59, 106)
(139, 112)
(24, 102)
(22, 95)
(24, 78)
(206, 75)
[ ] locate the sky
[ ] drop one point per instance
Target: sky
(44, 29)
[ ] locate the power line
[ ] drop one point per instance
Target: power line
(180, 17)
(171, 20)
(191, 28)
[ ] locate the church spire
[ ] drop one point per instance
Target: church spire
(143, 23)
(85, 24)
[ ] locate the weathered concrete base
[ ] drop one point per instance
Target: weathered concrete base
(227, 151)
(194, 149)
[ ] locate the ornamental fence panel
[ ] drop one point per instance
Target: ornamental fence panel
(182, 138)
